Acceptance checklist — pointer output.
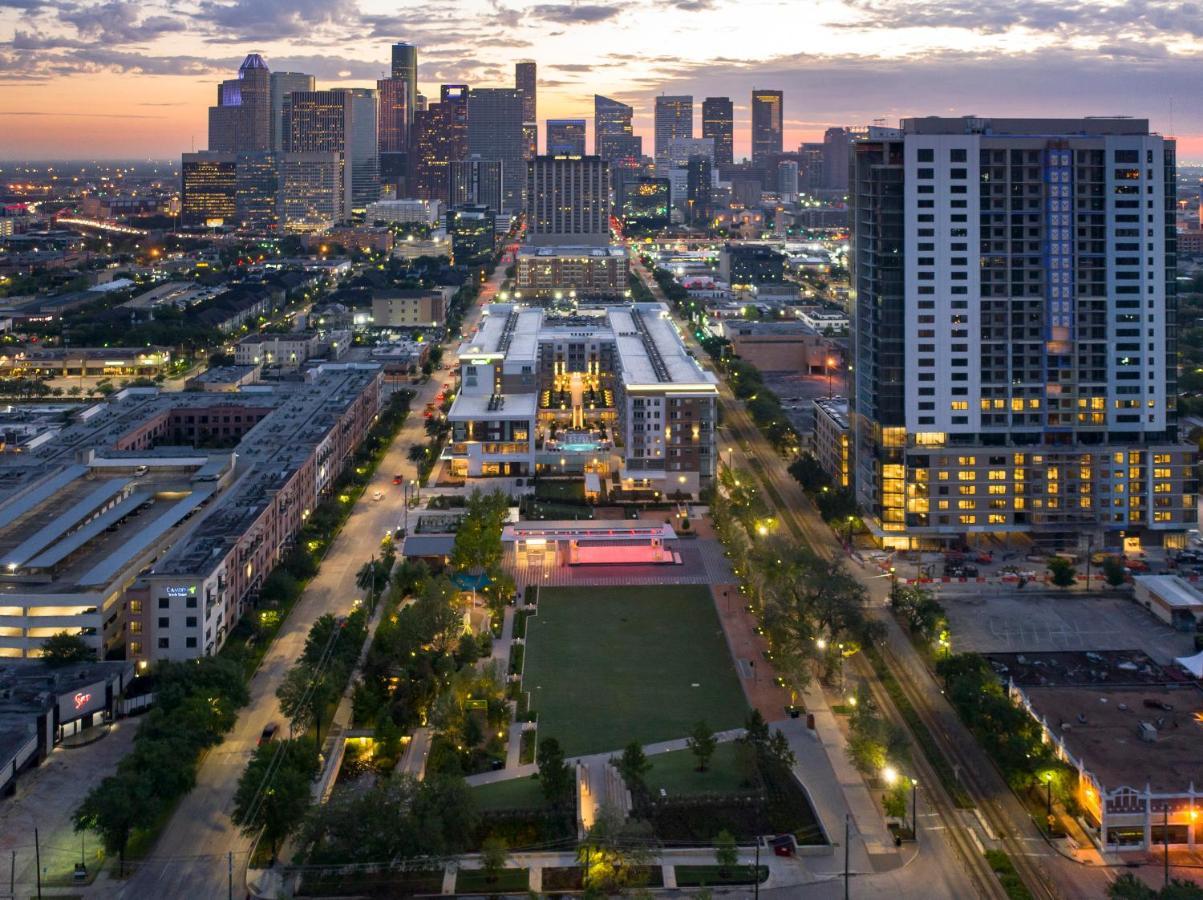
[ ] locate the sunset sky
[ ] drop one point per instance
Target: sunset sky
(134, 79)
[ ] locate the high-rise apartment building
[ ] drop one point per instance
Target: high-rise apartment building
(718, 122)
(837, 147)
(526, 80)
(495, 117)
(674, 119)
(241, 120)
(476, 182)
(613, 137)
(405, 67)
(440, 138)
(767, 124)
(565, 137)
(282, 85)
(569, 201)
(1015, 359)
(341, 121)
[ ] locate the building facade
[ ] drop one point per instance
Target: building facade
(495, 117)
(1015, 363)
(282, 85)
(718, 123)
(408, 309)
(440, 138)
(563, 272)
(241, 120)
(568, 201)
(476, 182)
(526, 79)
(767, 124)
(565, 137)
(208, 188)
(673, 119)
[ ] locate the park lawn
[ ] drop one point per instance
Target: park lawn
(609, 665)
(513, 793)
(676, 773)
(474, 881)
(568, 491)
(700, 876)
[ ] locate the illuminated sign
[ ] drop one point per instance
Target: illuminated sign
(179, 590)
(80, 702)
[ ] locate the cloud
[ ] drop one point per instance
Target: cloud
(118, 22)
(694, 5)
(75, 115)
(574, 13)
(572, 67)
(264, 20)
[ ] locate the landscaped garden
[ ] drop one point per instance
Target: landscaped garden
(607, 666)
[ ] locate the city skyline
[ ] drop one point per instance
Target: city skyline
(71, 73)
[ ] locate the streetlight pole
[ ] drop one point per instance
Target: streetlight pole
(1165, 840)
(915, 810)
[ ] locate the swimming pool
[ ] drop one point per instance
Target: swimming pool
(579, 446)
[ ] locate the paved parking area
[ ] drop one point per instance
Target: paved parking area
(1005, 620)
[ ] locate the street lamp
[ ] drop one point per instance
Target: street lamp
(890, 774)
(914, 809)
(1048, 784)
(830, 367)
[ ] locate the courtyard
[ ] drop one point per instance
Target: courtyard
(605, 666)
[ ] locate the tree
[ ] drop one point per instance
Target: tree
(494, 854)
(702, 744)
(1114, 571)
(365, 578)
(894, 800)
(555, 776)
(64, 648)
(1062, 571)
(114, 808)
(275, 791)
(304, 696)
(1180, 889)
(632, 766)
(726, 853)
(616, 853)
(1128, 887)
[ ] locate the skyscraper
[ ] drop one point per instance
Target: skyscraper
(256, 185)
(613, 137)
(282, 84)
(440, 138)
(241, 120)
(674, 119)
(569, 201)
(837, 145)
(526, 80)
(405, 67)
(495, 132)
(341, 121)
(565, 137)
(699, 190)
(393, 118)
(312, 195)
(767, 124)
(475, 182)
(1013, 337)
(208, 188)
(718, 122)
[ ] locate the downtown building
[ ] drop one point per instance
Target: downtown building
(673, 119)
(1014, 351)
(440, 138)
(718, 123)
(241, 120)
(767, 124)
(610, 391)
(495, 118)
(565, 137)
(526, 80)
(283, 85)
(343, 122)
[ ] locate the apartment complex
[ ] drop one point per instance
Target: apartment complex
(610, 391)
(149, 523)
(587, 272)
(1014, 334)
(408, 308)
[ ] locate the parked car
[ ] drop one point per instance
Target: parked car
(269, 733)
(397, 479)
(1136, 565)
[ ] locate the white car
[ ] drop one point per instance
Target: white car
(378, 496)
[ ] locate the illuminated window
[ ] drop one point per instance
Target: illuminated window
(1020, 503)
(997, 489)
(943, 476)
(1161, 516)
(967, 490)
(966, 504)
(1159, 473)
(966, 475)
(968, 520)
(1016, 404)
(959, 404)
(941, 504)
(996, 519)
(966, 460)
(1161, 458)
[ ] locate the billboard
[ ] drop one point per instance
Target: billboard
(77, 703)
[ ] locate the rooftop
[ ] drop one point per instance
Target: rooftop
(1099, 726)
(1024, 127)
(1172, 590)
(835, 408)
(615, 250)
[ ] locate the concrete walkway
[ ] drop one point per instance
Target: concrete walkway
(413, 760)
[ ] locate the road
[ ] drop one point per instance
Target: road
(1047, 874)
(193, 853)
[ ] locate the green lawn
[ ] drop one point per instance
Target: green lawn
(676, 772)
(607, 666)
(473, 881)
(513, 793)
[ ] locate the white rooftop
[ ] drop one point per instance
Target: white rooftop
(1172, 590)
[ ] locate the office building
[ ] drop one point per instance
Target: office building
(569, 201)
(311, 195)
(241, 120)
(473, 234)
(440, 138)
(405, 212)
(833, 439)
(647, 205)
(341, 121)
(208, 189)
(476, 182)
(718, 123)
(256, 186)
(1014, 355)
(699, 191)
(681, 150)
(545, 392)
(568, 272)
(565, 137)
(495, 117)
(674, 119)
(787, 180)
(405, 68)
(526, 80)
(613, 137)
(153, 539)
(282, 85)
(767, 124)
(837, 147)
(393, 121)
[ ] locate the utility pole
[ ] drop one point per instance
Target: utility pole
(847, 831)
(230, 870)
(1165, 840)
(37, 857)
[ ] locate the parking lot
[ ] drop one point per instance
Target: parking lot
(989, 619)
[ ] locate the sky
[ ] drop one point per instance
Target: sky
(133, 78)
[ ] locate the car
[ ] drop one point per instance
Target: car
(1136, 565)
(378, 496)
(269, 733)
(398, 479)
(1159, 704)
